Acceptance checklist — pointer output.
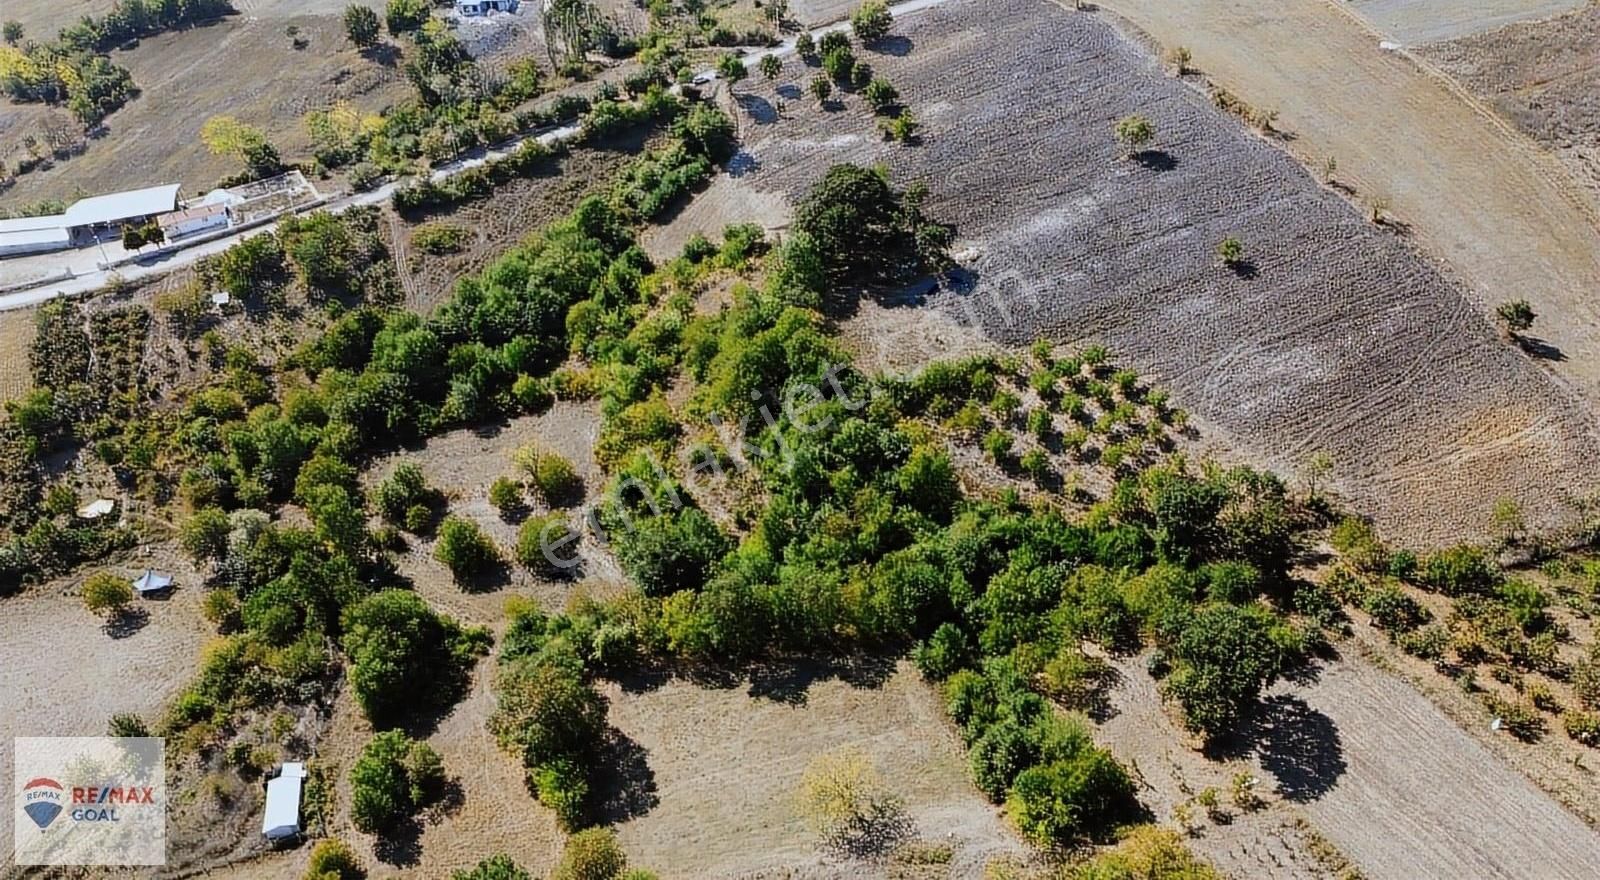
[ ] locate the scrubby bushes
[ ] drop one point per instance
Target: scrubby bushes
(465, 549)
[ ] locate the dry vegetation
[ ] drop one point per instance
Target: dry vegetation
(1542, 76)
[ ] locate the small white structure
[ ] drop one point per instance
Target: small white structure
(190, 221)
(152, 581)
(282, 817)
(484, 7)
(96, 509)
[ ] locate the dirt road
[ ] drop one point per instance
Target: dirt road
(1500, 212)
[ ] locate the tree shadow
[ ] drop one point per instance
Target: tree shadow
(788, 681)
(1299, 746)
(757, 108)
(385, 54)
(127, 622)
(400, 846)
(1540, 349)
(1245, 269)
(627, 788)
(897, 45)
(789, 92)
(1156, 160)
(741, 164)
(496, 578)
(873, 833)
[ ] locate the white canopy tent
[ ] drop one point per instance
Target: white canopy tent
(152, 581)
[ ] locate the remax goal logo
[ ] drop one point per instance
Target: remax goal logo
(42, 800)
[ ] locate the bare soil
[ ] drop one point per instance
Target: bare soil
(724, 762)
(1542, 76)
(1338, 336)
(1406, 793)
(1507, 217)
(463, 464)
(1428, 21)
(67, 672)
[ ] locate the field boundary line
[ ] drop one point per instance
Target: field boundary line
(1543, 162)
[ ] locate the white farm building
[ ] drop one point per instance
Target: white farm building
(484, 7)
(85, 220)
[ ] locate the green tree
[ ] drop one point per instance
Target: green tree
(591, 854)
(544, 543)
(806, 47)
(107, 594)
(394, 777)
(1135, 132)
(1516, 316)
(132, 237)
(496, 867)
(332, 859)
(1225, 656)
(1230, 251)
(12, 32)
(465, 549)
(731, 68)
(770, 66)
(882, 95)
(674, 551)
(204, 536)
(402, 16)
(361, 25)
(821, 88)
(403, 655)
(871, 22)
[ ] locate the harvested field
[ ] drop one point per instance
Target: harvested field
(1505, 216)
(724, 766)
(17, 330)
(242, 66)
(1541, 75)
(66, 674)
(1428, 21)
(1341, 339)
(818, 12)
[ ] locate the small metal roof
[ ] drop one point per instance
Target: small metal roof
(29, 224)
(113, 207)
(151, 581)
(198, 212)
(34, 238)
(97, 508)
(282, 815)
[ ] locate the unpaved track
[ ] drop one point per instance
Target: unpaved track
(1414, 795)
(1428, 21)
(1505, 215)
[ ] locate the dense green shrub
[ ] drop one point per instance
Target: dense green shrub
(1459, 571)
(465, 549)
(394, 777)
(403, 655)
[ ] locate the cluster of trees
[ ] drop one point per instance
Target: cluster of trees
(82, 389)
(548, 715)
(133, 19)
(136, 237)
(319, 255)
